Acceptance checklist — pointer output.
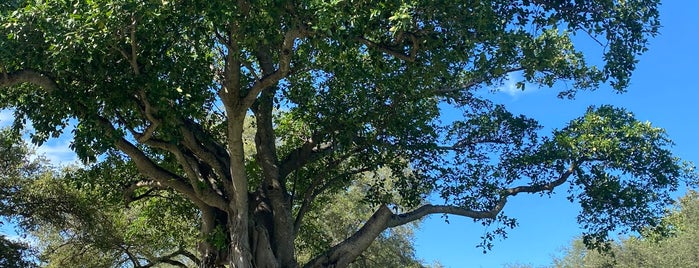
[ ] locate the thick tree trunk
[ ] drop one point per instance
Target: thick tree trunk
(256, 251)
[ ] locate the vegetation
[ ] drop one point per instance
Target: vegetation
(673, 243)
(341, 94)
(80, 218)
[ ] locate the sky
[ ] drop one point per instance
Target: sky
(663, 91)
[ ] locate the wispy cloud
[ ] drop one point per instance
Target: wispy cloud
(509, 86)
(58, 151)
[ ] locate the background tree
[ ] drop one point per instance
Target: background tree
(673, 243)
(361, 85)
(14, 164)
(13, 254)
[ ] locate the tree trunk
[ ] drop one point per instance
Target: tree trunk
(240, 250)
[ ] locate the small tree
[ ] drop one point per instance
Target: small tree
(357, 86)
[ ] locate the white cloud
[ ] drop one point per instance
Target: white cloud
(58, 151)
(509, 86)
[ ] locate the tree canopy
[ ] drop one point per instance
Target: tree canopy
(336, 91)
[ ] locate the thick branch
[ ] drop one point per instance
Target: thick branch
(344, 253)
(151, 170)
(299, 157)
(220, 166)
(273, 184)
(27, 76)
(271, 79)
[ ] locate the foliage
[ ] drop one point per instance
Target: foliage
(13, 254)
(86, 221)
(334, 89)
(78, 216)
(672, 243)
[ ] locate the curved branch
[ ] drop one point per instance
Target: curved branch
(542, 187)
(349, 249)
(344, 253)
(129, 192)
(168, 259)
(27, 76)
(397, 220)
(150, 169)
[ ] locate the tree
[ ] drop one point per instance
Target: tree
(672, 243)
(86, 221)
(13, 254)
(338, 89)
(13, 165)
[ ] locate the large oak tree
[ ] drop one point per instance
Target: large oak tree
(338, 90)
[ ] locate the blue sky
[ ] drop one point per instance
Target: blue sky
(663, 91)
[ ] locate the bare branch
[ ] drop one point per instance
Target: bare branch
(349, 249)
(397, 220)
(152, 170)
(425, 210)
(146, 166)
(130, 255)
(219, 166)
(129, 191)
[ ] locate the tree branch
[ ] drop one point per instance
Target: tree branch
(316, 188)
(168, 259)
(425, 210)
(151, 170)
(398, 54)
(346, 251)
(134, 46)
(349, 249)
(299, 157)
(129, 191)
(286, 52)
(27, 76)
(542, 187)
